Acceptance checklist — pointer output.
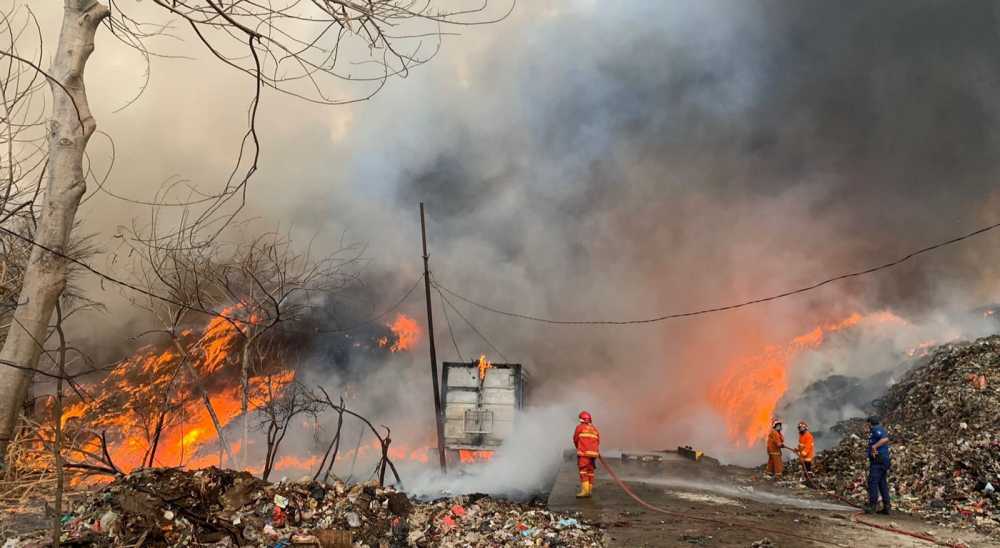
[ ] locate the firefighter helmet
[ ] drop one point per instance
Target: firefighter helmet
(585, 416)
(775, 422)
(803, 425)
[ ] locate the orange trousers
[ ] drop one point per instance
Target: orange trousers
(774, 464)
(587, 466)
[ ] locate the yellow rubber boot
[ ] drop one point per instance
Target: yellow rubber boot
(584, 490)
(590, 489)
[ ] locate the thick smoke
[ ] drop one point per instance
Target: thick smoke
(686, 155)
(582, 160)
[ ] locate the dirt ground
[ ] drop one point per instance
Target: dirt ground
(731, 494)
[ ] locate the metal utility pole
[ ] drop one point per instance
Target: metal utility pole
(438, 413)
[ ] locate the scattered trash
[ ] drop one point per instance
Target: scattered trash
(278, 517)
(226, 508)
(280, 501)
(447, 523)
(941, 419)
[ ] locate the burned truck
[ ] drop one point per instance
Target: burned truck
(481, 404)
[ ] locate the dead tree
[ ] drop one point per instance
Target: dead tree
(297, 48)
(22, 136)
(272, 285)
(51, 437)
(330, 455)
(70, 128)
(280, 405)
(384, 463)
(258, 287)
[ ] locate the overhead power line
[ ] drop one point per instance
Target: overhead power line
(451, 330)
(744, 304)
(471, 326)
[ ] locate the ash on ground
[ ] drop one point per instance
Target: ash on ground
(225, 508)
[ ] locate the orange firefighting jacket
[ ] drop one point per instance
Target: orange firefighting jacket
(774, 442)
(807, 448)
(587, 440)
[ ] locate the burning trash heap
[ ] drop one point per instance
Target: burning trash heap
(214, 507)
(942, 420)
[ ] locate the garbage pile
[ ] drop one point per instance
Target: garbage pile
(226, 508)
(943, 419)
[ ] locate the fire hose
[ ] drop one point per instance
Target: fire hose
(685, 515)
(856, 517)
(773, 531)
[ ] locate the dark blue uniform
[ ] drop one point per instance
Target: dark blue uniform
(878, 468)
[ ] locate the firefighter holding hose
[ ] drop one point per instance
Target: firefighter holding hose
(587, 440)
(806, 449)
(775, 443)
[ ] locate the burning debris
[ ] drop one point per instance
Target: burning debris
(405, 334)
(941, 419)
(752, 387)
(484, 365)
(156, 407)
(153, 415)
(213, 507)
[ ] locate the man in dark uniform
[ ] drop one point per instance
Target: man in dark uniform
(878, 467)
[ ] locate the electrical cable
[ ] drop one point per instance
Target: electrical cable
(481, 336)
(723, 308)
(451, 331)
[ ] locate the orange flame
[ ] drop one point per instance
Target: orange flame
(129, 402)
(484, 365)
(749, 391)
(406, 332)
(402, 452)
(467, 456)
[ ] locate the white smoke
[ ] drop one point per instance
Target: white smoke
(526, 464)
(864, 362)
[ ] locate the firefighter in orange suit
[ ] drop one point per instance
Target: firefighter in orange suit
(587, 440)
(775, 441)
(807, 448)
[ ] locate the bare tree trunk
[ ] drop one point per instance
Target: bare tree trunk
(57, 425)
(45, 275)
(245, 402)
(196, 379)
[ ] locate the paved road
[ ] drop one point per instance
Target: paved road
(731, 494)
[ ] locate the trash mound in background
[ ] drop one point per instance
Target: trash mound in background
(226, 508)
(943, 419)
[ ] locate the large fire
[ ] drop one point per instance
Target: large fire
(150, 400)
(749, 391)
(406, 333)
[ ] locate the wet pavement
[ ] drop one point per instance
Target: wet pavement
(732, 495)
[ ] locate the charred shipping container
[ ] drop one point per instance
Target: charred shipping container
(481, 404)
